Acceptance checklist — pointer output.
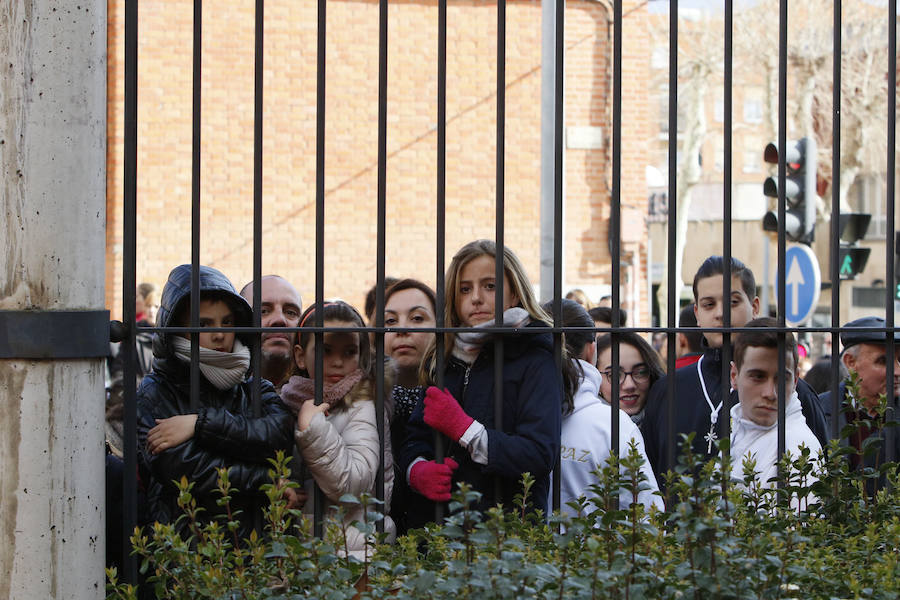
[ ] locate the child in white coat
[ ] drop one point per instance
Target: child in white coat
(338, 439)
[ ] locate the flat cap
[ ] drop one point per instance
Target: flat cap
(851, 338)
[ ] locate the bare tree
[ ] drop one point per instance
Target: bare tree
(864, 63)
(700, 54)
(810, 52)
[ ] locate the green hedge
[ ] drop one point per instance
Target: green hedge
(718, 540)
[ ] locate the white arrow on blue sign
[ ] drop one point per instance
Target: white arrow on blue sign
(802, 286)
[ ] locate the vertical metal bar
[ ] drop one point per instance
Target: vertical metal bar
(782, 177)
(379, 283)
(834, 239)
(440, 225)
(257, 205)
(614, 218)
(891, 432)
(499, 206)
(256, 347)
(725, 410)
(318, 501)
(671, 300)
(558, 178)
(195, 204)
(129, 285)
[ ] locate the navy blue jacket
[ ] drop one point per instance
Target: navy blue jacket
(826, 403)
(226, 434)
(526, 441)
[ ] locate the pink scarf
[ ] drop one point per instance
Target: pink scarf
(300, 389)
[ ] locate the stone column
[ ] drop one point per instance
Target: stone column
(52, 190)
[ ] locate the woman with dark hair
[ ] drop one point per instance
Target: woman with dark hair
(407, 303)
(587, 429)
(639, 368)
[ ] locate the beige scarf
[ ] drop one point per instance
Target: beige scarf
(222, 369)
(467, 344)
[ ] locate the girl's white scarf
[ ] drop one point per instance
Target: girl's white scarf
(468, 344)
(222, 369)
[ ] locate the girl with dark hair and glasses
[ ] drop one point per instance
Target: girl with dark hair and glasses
(639, 368)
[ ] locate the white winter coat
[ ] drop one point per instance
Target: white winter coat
(586, 440)
(341, 452)
(751, 440)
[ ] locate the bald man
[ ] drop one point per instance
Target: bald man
(281, 307)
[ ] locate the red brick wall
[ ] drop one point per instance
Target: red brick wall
(164, 140)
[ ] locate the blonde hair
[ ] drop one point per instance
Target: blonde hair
(515, 275)
(578, 295)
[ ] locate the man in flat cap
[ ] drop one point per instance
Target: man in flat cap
(865, 353)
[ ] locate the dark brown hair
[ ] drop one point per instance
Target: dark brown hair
(369, 305)
(342, 312)
(762, 337)
(649, 356)
(715, 265)
(410, 284)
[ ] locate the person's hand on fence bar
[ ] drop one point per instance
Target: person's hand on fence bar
(170, 432)
(443, 412)
(308, 411)
(432, 479)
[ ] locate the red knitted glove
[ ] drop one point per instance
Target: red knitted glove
(432, 479)
(443, 412)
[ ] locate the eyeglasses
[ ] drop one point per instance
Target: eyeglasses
(638, 375)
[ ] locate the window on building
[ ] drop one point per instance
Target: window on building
(753, 106)
(751, 155)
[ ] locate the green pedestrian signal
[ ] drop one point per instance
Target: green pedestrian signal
(852, 257)
(853, 260)
(847, 266)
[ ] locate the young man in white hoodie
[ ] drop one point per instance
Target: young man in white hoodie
(586, 436)
(754, 418)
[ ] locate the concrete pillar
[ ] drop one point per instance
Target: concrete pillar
(52, 190)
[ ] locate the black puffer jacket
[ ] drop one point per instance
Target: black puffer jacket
(226, 434)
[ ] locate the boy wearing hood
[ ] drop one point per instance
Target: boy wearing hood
(177, 439)
(754, 418)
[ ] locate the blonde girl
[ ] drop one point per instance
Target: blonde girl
(478, 449)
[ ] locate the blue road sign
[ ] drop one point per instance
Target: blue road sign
(802, 285)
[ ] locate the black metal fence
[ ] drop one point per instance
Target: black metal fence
(130, 194)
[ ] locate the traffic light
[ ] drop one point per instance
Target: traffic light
(799, 193)
(851, 257)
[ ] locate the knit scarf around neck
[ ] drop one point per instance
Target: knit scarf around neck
(299, 389)
(222, 369)
(468, 344)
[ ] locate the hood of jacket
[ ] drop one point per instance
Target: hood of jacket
(747, 436)
(588, 392)
(177, 291)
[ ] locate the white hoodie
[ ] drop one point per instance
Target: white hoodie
(751, 440)
(586, 440)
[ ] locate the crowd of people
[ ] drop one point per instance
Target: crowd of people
(486, 406)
